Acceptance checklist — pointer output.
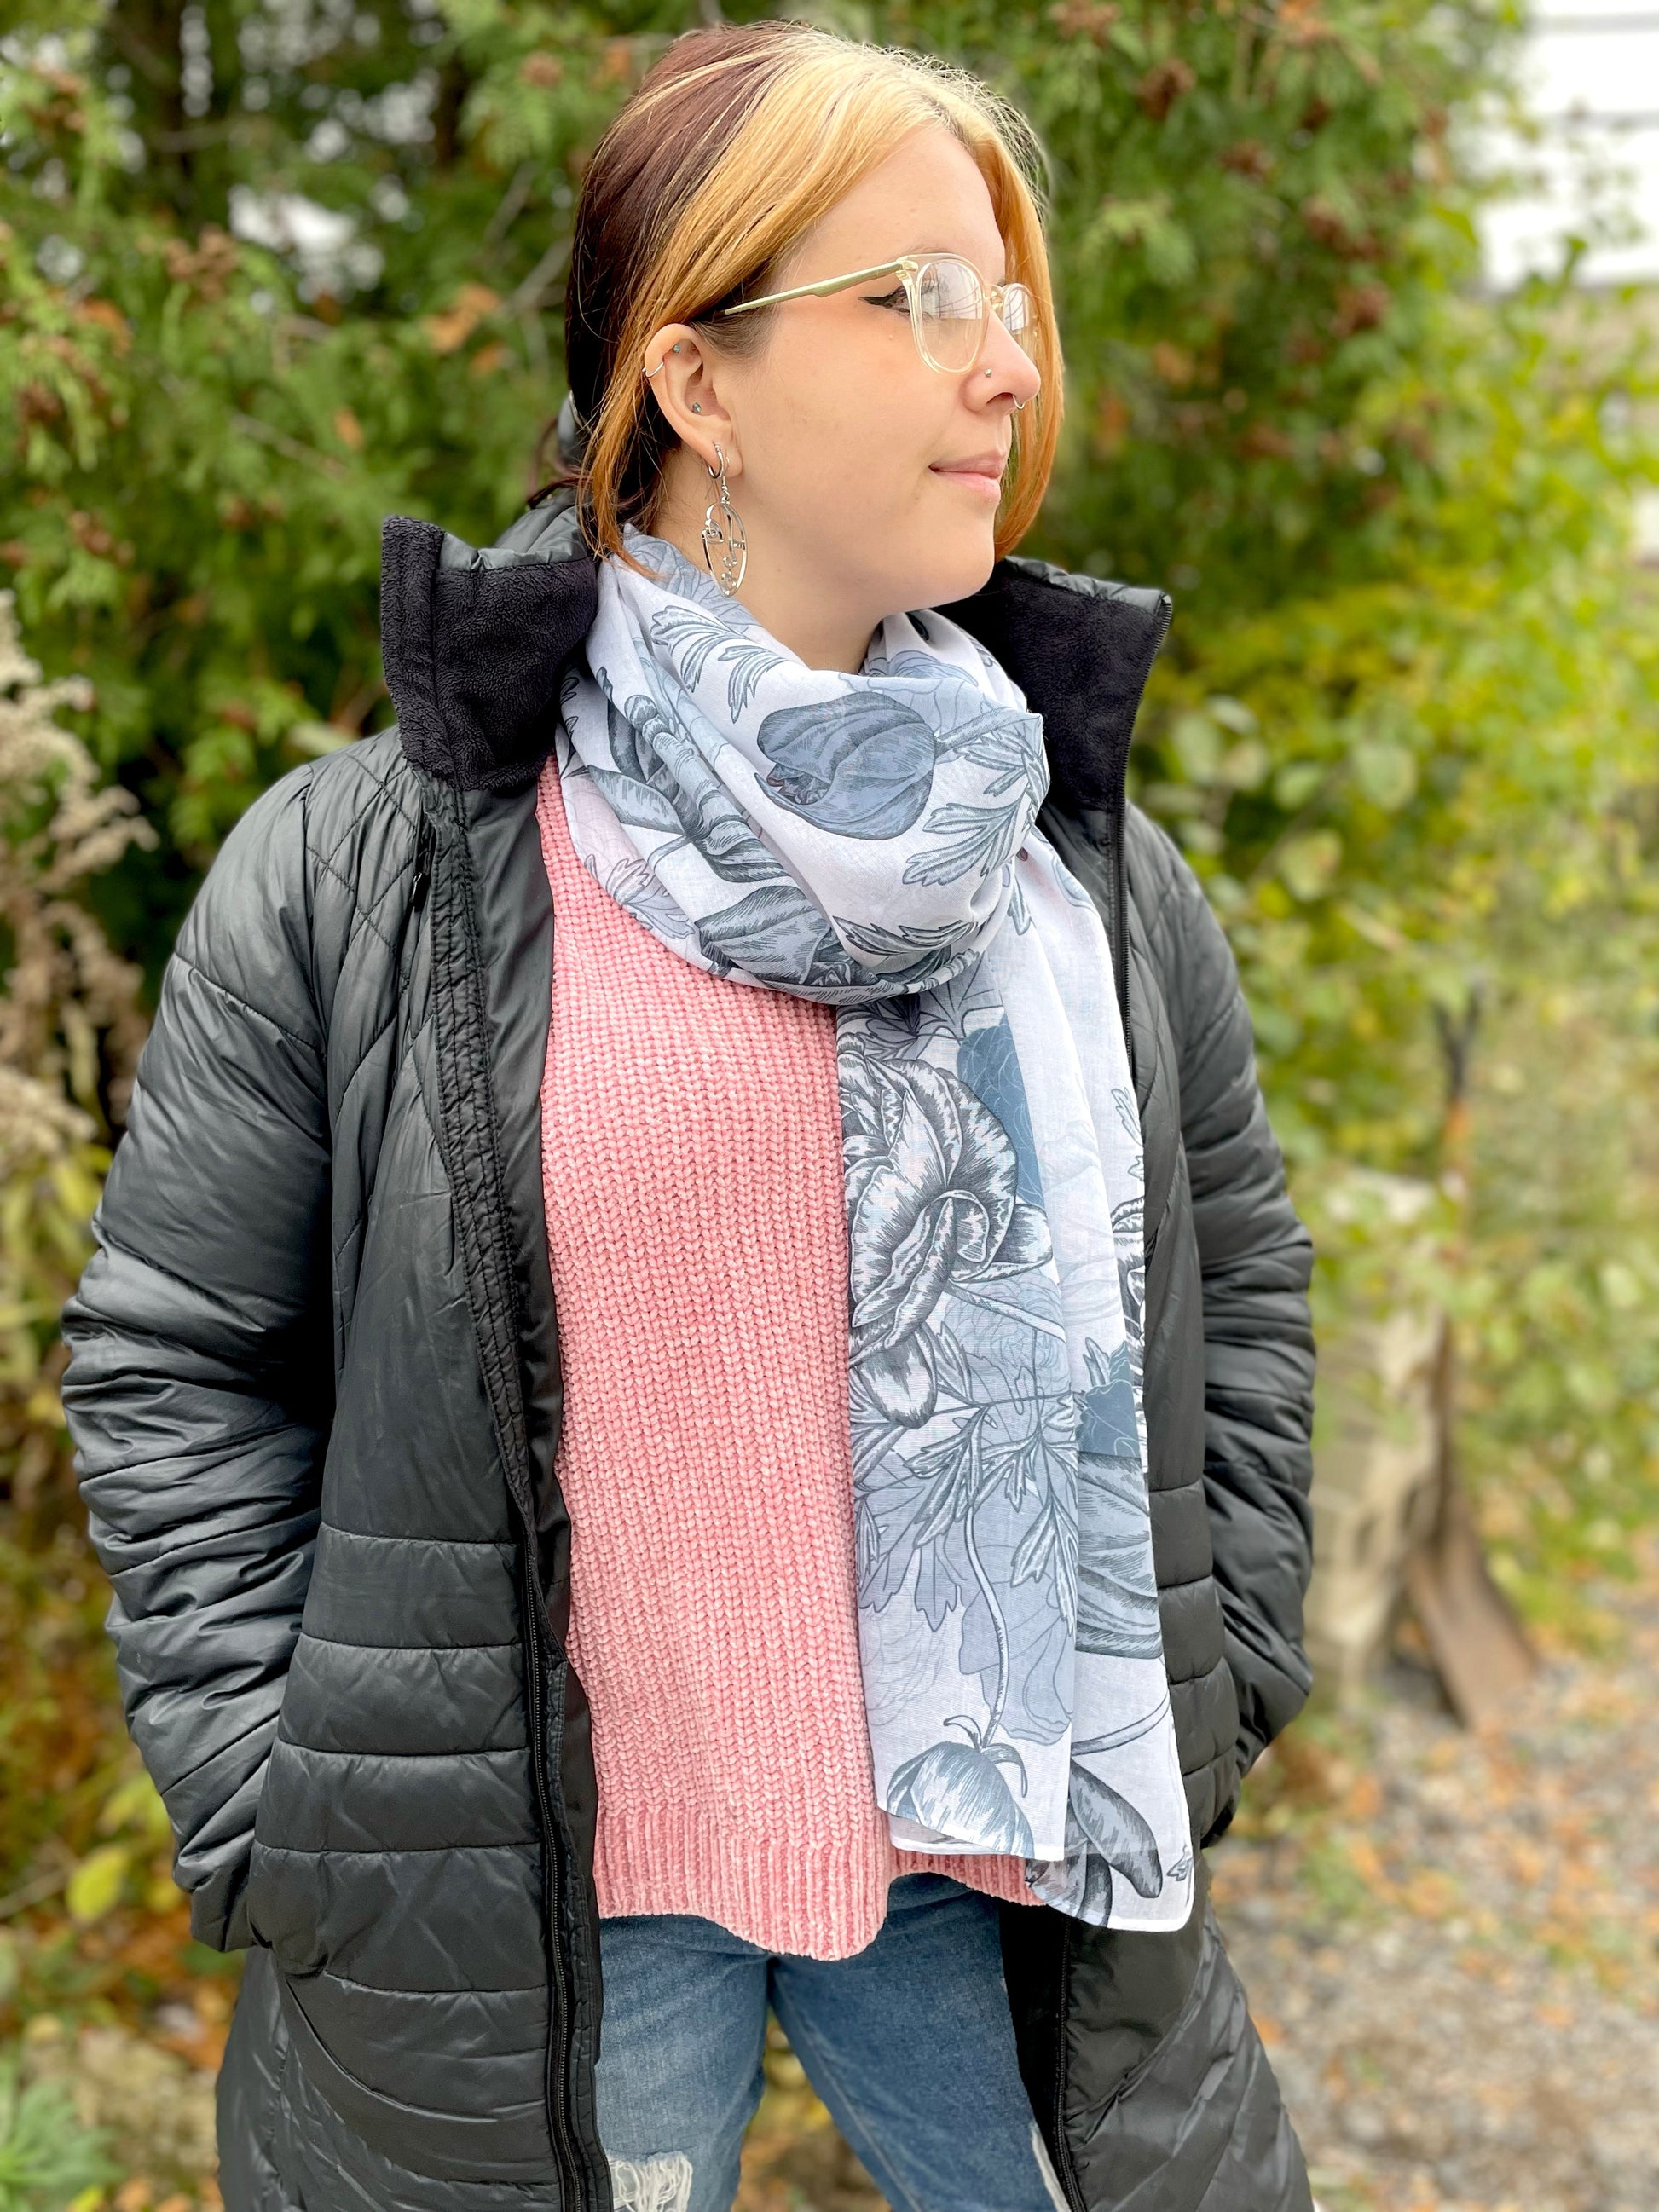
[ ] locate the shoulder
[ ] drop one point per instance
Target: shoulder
(314, 859)
(317, 812)
(1188, 948)
(1161, 884)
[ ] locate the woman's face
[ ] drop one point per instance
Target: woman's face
(867, 481)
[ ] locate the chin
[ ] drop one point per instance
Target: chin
(951, 573)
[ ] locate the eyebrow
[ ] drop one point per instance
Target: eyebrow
(824, 287)
(925, 252)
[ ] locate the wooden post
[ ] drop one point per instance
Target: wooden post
(1478, 1645)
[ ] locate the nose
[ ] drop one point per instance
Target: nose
(1004, 370)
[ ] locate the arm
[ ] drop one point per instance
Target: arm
(1256, 1259)
(200, 1382)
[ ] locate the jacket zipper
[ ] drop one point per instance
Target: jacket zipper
(1103, 826)
(455, 980)
(559, 2005)
(421, 879)
(1118, 862)
(1066, 2165)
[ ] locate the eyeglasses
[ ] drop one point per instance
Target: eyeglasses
(950, 305)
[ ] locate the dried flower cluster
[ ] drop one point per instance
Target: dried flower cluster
(70, 1031)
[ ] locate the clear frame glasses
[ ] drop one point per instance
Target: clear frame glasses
(950, 305)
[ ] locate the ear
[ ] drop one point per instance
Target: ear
(683, 373)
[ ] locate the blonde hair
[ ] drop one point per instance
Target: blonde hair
(738, 140)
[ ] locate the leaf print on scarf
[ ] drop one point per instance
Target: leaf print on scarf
(959, 709)
(988, 1064)
(862, 766)
(691, 636)
(1104, 1836)
(918, 667)
(1047, 1553)
(639, 786)
(635, 802)
(636, 886)
(1116, 1831)
(747, 665)
(990, 1478)
(1106, 1424)
(983, 840)
(878, 944)
(1016, 762)
(916, 1510)
(1020, 1532)
(694, 638)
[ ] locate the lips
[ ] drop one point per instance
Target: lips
(979, 471)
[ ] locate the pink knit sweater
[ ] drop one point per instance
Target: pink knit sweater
(692, 1169)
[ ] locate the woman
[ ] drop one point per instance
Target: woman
(526, 1587)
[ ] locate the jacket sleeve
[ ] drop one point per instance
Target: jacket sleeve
(1255, 1260)
(200, 1382)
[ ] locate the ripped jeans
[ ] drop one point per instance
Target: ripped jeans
(908, 2043)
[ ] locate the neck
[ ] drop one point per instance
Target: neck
(800, 608)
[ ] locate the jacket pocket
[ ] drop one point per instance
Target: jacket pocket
(1198, 2125)
(374, 2098)
(284, 1906)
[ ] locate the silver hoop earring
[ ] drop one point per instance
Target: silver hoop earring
(723, 533)
(1020, 405)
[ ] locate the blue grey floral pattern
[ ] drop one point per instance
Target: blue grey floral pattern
(862, 766)
(870, 841)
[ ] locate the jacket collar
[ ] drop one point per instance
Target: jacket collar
(474, 638)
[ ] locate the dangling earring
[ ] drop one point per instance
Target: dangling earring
(724, 532)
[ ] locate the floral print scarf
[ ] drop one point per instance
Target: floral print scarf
(870, 841)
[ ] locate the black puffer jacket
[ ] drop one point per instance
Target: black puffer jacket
(315, 1386)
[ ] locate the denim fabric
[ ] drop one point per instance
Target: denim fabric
(908, 2042)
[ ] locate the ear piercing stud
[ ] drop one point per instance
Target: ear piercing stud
(651, 372)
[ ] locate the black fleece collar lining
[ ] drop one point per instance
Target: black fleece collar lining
(474, 640)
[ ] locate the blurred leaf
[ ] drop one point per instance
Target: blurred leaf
(1386, 773)
(95, 1887)
(136, 1804)
(1309, 864)
(47, 2158)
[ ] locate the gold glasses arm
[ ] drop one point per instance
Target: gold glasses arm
(821, 291)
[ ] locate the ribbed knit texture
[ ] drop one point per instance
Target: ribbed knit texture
(696, 1225)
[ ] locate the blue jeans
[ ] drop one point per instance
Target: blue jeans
(908, 2043)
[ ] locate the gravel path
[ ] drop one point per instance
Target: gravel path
(1451, 1943)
